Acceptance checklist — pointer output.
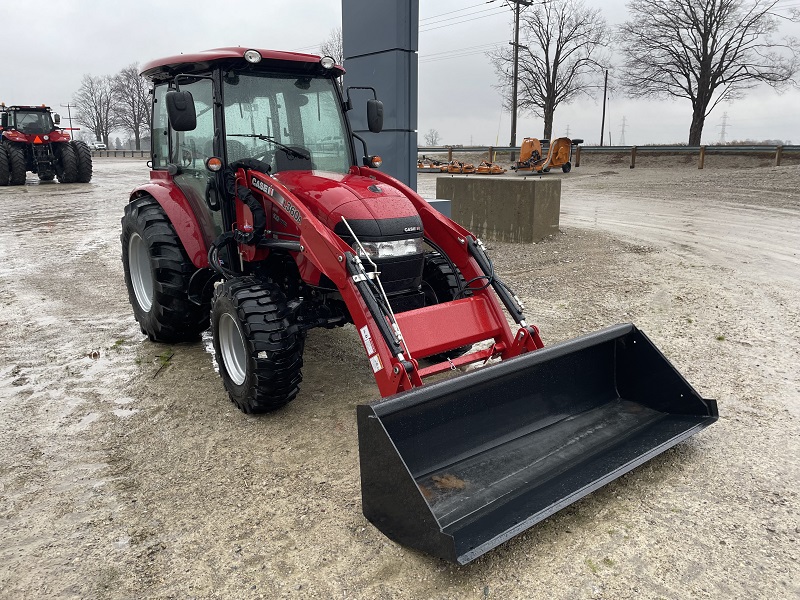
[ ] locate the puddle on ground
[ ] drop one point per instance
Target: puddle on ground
(123, 413)
(85, 422)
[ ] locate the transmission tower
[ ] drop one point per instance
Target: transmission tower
(622, 132)
(567, 130)
(723, 128)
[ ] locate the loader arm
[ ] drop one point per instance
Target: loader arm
(465, 251)
(332, 256)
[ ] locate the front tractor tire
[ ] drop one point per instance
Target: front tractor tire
(66, 163)
(83, 158)
(157, 273)
(258, 347)
(16, 164)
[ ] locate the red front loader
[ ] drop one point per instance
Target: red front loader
(260, 221)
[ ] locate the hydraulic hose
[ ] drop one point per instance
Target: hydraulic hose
(246, 196)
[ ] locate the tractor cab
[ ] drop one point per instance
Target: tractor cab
(30, 120)
(271, 107)
(284, 116)
(282, 109)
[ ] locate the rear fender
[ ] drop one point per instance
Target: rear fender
(180, 214)
(15, 136)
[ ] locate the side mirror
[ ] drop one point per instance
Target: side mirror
(375, 115)
(56, 118)
(180, 110)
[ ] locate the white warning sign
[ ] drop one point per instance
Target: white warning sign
(368, 341)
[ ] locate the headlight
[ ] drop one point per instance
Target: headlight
(252, 56)
(327, 62)
(376, 250)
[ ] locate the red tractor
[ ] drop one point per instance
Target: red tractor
(32, 141)
(261, 220)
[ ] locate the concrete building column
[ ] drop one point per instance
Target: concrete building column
(380, 39)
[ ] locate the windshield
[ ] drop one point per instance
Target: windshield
(34, 121)
(303, 114)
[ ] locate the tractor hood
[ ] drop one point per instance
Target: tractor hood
(375, 211)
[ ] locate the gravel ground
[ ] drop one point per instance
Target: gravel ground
(127, 473)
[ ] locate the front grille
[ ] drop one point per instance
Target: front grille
(400, 274)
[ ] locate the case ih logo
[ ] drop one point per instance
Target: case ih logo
(267, 189)
(282, 202)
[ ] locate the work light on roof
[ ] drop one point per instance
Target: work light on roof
(327, 62)
(252, 56)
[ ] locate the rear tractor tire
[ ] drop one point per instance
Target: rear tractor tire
(157, 273)
(258, 348)
(16, 164)
(66, 163)
(84, 161)
(5, 169)
(440, 283)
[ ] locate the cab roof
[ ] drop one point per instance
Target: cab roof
(41, 107)
(203, 61)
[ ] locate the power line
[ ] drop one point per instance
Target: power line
(451, 12)
(457, 53)
(487, 45)
(461, 14)
(498, 13)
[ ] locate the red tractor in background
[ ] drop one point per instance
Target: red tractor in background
(262, 221)
(32, 141)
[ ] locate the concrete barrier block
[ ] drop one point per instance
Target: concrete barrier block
(504, 209)
(443, 206)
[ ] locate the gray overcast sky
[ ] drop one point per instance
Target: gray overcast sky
(44, 64)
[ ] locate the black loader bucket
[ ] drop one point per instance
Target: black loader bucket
(458, 467)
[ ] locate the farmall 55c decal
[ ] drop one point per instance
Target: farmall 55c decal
(280, 200)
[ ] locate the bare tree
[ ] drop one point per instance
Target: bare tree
(432, 138)
(94, 100)
(706, 51)
(333, 46)
(561, 51)
(132, 102)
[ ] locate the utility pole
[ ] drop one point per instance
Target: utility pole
(515, 70)
(603, 123)
(68, 106)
